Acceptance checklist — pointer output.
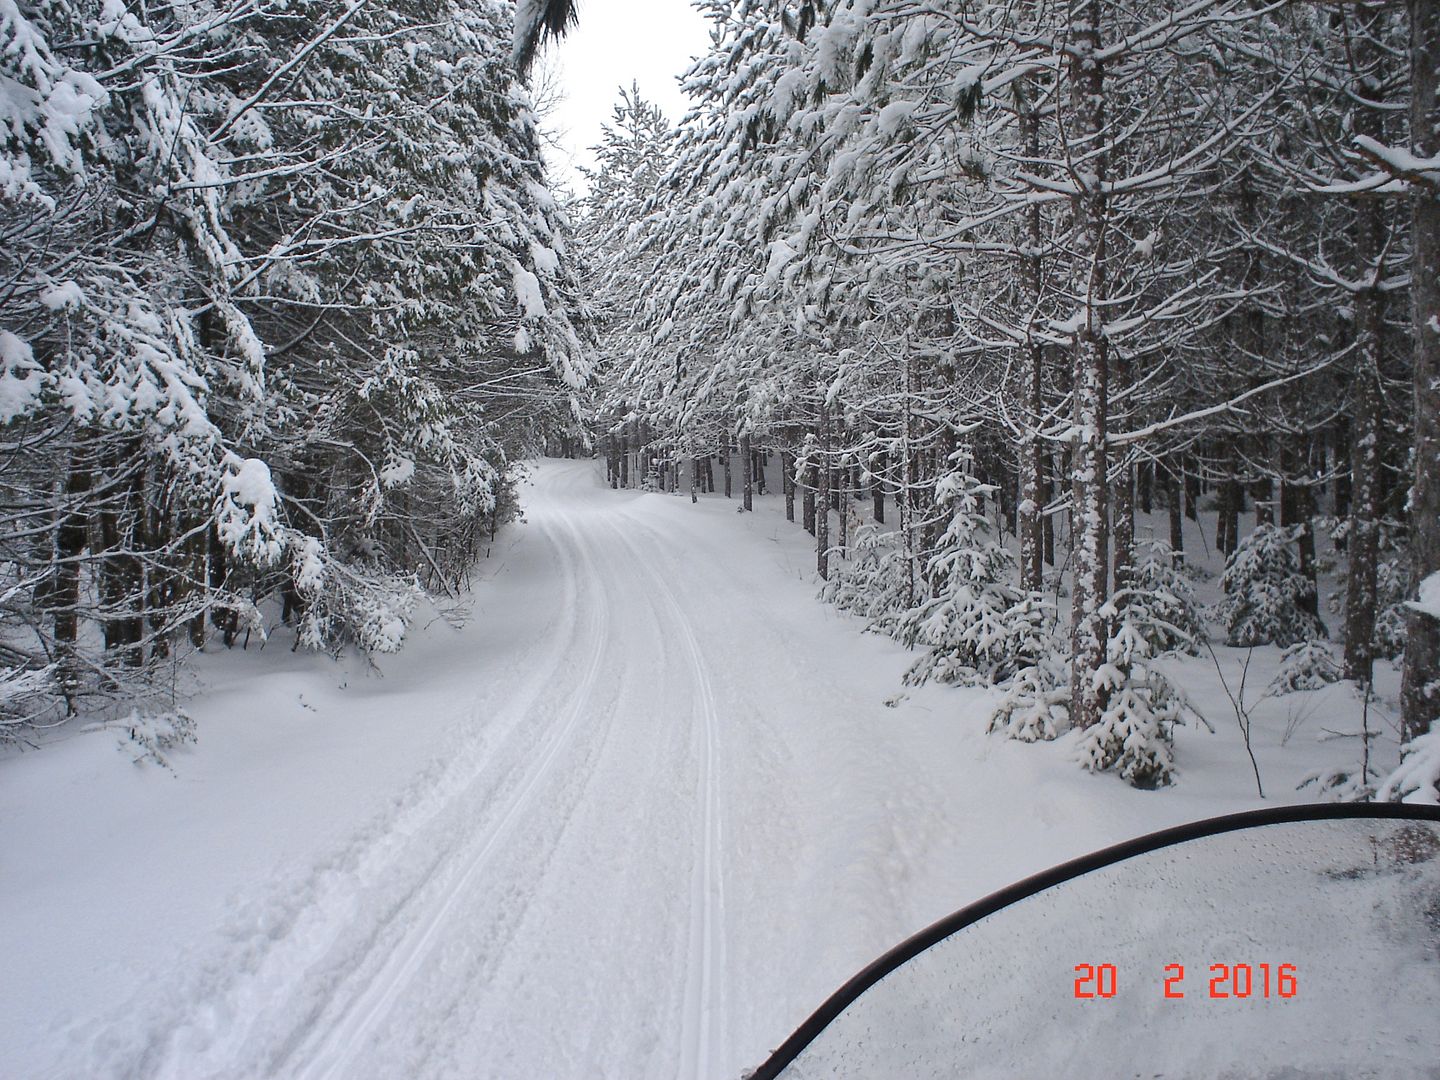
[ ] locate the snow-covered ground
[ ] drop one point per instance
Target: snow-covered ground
(634, 818)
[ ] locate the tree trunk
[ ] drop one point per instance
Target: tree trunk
(1364, 539)
(1263, 492)
(163, 580)
(747, 482)
(223, 617)
(1306, 545)
(1047, 491)
(1420, 690)
(198, 552)
(787, 484)
(1297, 507)
(909, 452)
(822, 497)
(1341, 446)
(1086, 108)
(808, 499)
(121, 571)
(694, 479)
(1173, 499)
(1006, 502)
(71, 535)
(1122, 496)
(877, 488)
(1227, 521)
(725, 453)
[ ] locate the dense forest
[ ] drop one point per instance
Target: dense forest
(286, 298)
(993, 281)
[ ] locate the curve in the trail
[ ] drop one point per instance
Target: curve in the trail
(271, 1011)
(562, 892)
(605, 570)
(369, 1003)
(325, 981)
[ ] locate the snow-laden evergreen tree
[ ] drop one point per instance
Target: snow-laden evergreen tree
(1392, 576)
(1306, 665)
(1153, 617)
(1163, 603)
(436, 266)
(263, 338)
(875, 580)
(1391, 584)
(1135, 734)
(1267, 599)
(1035, 706)
(1417, 778)
(635, 152)
(975, 627)
(116, 237)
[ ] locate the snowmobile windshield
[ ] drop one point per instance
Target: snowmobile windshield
(1300, 942)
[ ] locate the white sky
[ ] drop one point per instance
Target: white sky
(618, 42)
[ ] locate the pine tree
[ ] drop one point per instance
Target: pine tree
(1267, 598)
(256, 353)
(976, 626)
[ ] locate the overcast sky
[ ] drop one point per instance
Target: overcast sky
(618, 42)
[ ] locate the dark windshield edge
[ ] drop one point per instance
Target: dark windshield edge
(911, 947)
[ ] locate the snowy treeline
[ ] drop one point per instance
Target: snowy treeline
(283, 295)
(1032, 269)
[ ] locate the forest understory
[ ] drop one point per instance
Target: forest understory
(1217, 668)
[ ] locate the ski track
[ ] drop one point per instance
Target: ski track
(343, 972)
(368, 1007)
(552, 897)
(705, 1008)
(311, 952)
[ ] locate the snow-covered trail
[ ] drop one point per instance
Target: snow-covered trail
(582, 926)
(663, 802)
(579, 927)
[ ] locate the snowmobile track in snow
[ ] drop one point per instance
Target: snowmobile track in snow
(449, 876)
(372, 1001)
(703, 1019)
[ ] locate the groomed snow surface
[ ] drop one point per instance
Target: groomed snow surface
(634, 816)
